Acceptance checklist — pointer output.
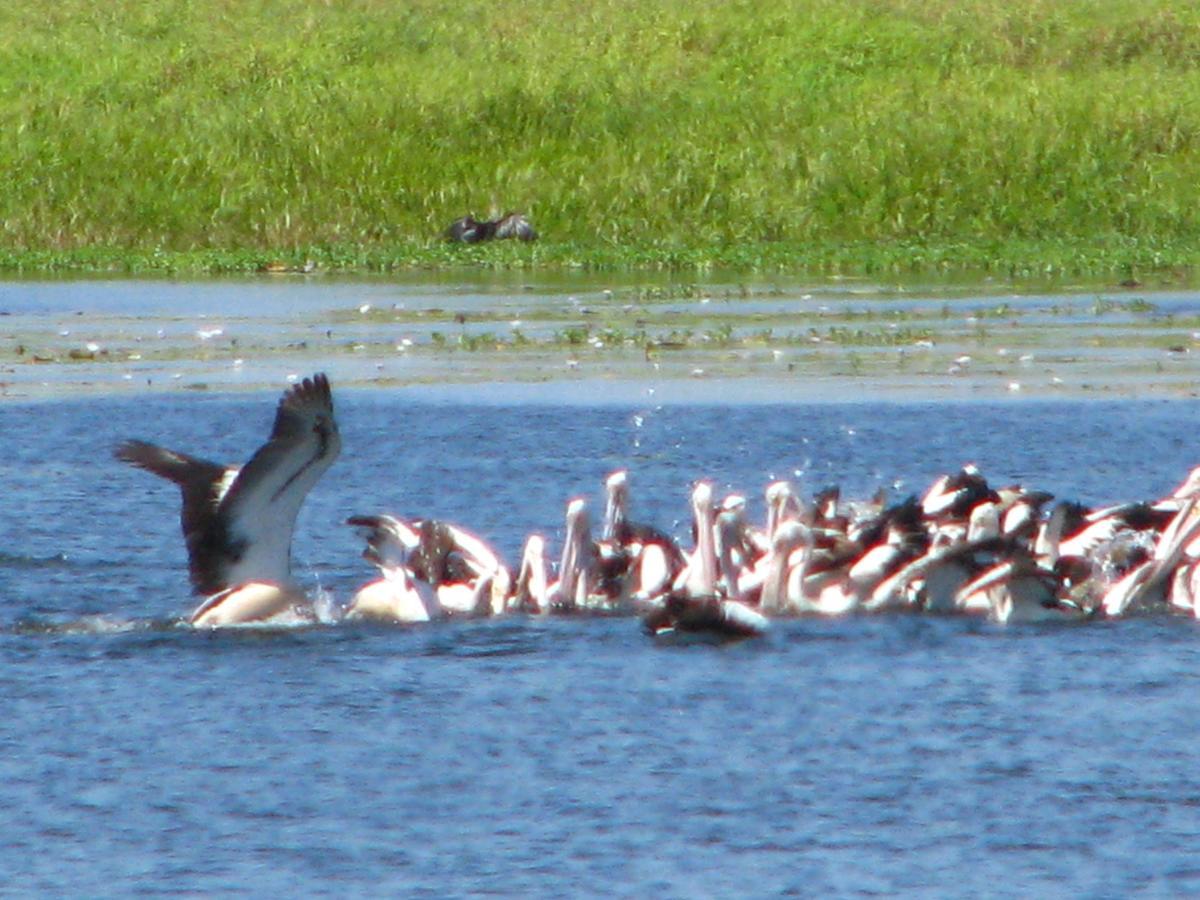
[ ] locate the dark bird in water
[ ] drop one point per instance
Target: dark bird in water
(469, 230)
(238, 522)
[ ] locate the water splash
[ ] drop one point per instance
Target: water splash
(20, 561)
(96, 624)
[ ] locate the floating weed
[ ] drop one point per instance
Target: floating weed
(660, 294)
(1104, 306)
(721, 335)
(572, 336)
(858, 337)
(765, 337)
(478, 342)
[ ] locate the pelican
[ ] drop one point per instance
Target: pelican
(804, 592)
(1185, 588)
(900, 545)
(955, 495)
(1148, 584)
(638, 562)
(984, 521)
(1017, 589)
(469, 230)
(1021, 513)
(578, 586)
(428, 569)
(694, 604)
(397, 595)
(932, 581)
(739, 562)
(576, 569)
(782, 505)
(531, 592)
(238, 522)
(789, 537)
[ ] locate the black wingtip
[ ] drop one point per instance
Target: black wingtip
(312, 390)
(170, 464)
(132, 452)
(311, 396)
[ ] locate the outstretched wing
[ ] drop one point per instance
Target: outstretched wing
(389, 541)
(258, 513)
(238, 523)
(202, 485)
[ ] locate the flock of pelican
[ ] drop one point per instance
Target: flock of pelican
(963, 547)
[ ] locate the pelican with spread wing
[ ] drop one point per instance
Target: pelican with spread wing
(238, 523)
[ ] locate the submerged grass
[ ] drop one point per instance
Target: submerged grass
(823, 135)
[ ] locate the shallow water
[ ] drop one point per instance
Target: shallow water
(771, 340)
(574, 756)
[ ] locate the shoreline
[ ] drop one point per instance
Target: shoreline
(1113, 259)
(605, 339)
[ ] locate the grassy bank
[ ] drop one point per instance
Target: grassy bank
(855, 135)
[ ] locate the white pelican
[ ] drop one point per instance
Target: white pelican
(428, 569)
(637, 562)
(789, 537)
(1148, 584)
(577, 567)
(238, 523)
(397, 595)
(1017, 589)
(805, 593)
(782, 505)
(955, 495)
(531, 591)
(694, 604)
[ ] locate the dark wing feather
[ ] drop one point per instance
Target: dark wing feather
(200, 484)
(243, 533)
(259, 510)
(303, 435)
(637, 533)
(297, 406)
(515, 225)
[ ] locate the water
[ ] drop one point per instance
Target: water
(819, 340)
(574, 756)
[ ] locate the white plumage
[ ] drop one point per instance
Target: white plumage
(238, 523)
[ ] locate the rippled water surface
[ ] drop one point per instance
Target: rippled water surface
(570, 757)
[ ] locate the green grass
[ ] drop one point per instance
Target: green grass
(828, 135)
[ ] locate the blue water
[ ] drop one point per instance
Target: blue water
(574, 757)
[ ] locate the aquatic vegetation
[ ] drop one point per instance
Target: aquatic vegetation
(1104, 305)
(858, 337)
(1040, 342)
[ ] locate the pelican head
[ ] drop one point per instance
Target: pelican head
(617, 500)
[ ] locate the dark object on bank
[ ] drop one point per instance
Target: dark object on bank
(468, 230)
